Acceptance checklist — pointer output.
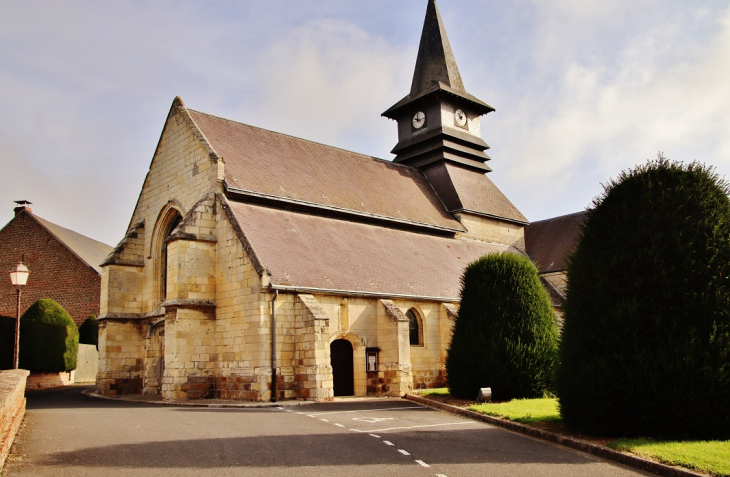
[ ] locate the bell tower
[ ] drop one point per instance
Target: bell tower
(439, 121)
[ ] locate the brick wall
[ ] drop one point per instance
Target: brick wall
(12, 408)
(55, 272)
(49, 380)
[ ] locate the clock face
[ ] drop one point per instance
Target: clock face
(419, 119)
(460, 117)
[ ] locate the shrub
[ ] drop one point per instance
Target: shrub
(645, 347)
(50, 348)
(505, 335)
(89, 331)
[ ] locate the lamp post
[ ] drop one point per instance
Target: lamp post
(18, 277)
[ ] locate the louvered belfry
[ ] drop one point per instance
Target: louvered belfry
(438, 121)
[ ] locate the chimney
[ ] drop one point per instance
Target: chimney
(22, 205)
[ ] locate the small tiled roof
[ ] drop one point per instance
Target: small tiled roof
(87, 249)
(550, 242)
(309, 251)
(476, 192)
(556, 298)
(274, 164)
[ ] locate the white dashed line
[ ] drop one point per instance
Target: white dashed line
(440, 475)
(422, 463)
(280, 408)
(387, 443)
(324, 420)
(338, 424)
(404, 452)
(375, 436)
(369, 410)
(416, 427)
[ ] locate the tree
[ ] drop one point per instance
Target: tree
(49, 339)
(505, 335)
(89, 332)
(646, 340)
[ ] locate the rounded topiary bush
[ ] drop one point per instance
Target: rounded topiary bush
(89, 331)
(645, 346)
(505, 335)
(49, 338)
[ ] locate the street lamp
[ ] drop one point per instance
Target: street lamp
(18, 277)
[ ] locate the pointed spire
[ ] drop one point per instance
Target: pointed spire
(436, 62)
(436, 71)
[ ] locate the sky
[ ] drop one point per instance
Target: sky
(583, 89)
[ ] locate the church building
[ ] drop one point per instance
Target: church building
(260, 266)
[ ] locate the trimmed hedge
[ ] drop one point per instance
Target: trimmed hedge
(40, 343)
(89, 332)
(43, 347)
(505, 335)
(54, 348)
(646, 340)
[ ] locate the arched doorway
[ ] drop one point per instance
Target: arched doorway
(342, 368)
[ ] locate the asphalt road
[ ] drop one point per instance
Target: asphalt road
(68, 434)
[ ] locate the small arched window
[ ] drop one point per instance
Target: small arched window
(415, 328)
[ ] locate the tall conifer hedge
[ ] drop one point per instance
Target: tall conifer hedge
(645, 346)
(505, 335)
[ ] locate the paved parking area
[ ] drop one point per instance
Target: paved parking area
(68, 434)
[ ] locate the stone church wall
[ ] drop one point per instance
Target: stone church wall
(182, 173)
(492, 230)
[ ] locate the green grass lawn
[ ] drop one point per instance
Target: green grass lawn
(706, 456)
(522, 410)
(712, 457)
(434, 392)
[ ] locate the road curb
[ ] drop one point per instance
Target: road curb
(577, 444)
(206, 403)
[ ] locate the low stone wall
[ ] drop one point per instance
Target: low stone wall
(12, 410)
(49, 380)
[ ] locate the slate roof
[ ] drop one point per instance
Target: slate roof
(462, 189)
(309, 251)
(550, 242)
(91, 251)
(266, 163)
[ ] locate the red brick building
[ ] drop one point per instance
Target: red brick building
(63, 264)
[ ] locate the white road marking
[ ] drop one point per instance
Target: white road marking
(338, 424)
(440, 475)
(422, 463)
(404, 452)
(415, 427)
(375, 436)
(388, 443)
(324, 420)
(280, 408)
(366, 410)
(373, 419)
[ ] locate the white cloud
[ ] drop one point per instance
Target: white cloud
(329, 81)
(661, 91)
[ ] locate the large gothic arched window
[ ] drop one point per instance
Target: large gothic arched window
(173, 220)
(415, 328)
